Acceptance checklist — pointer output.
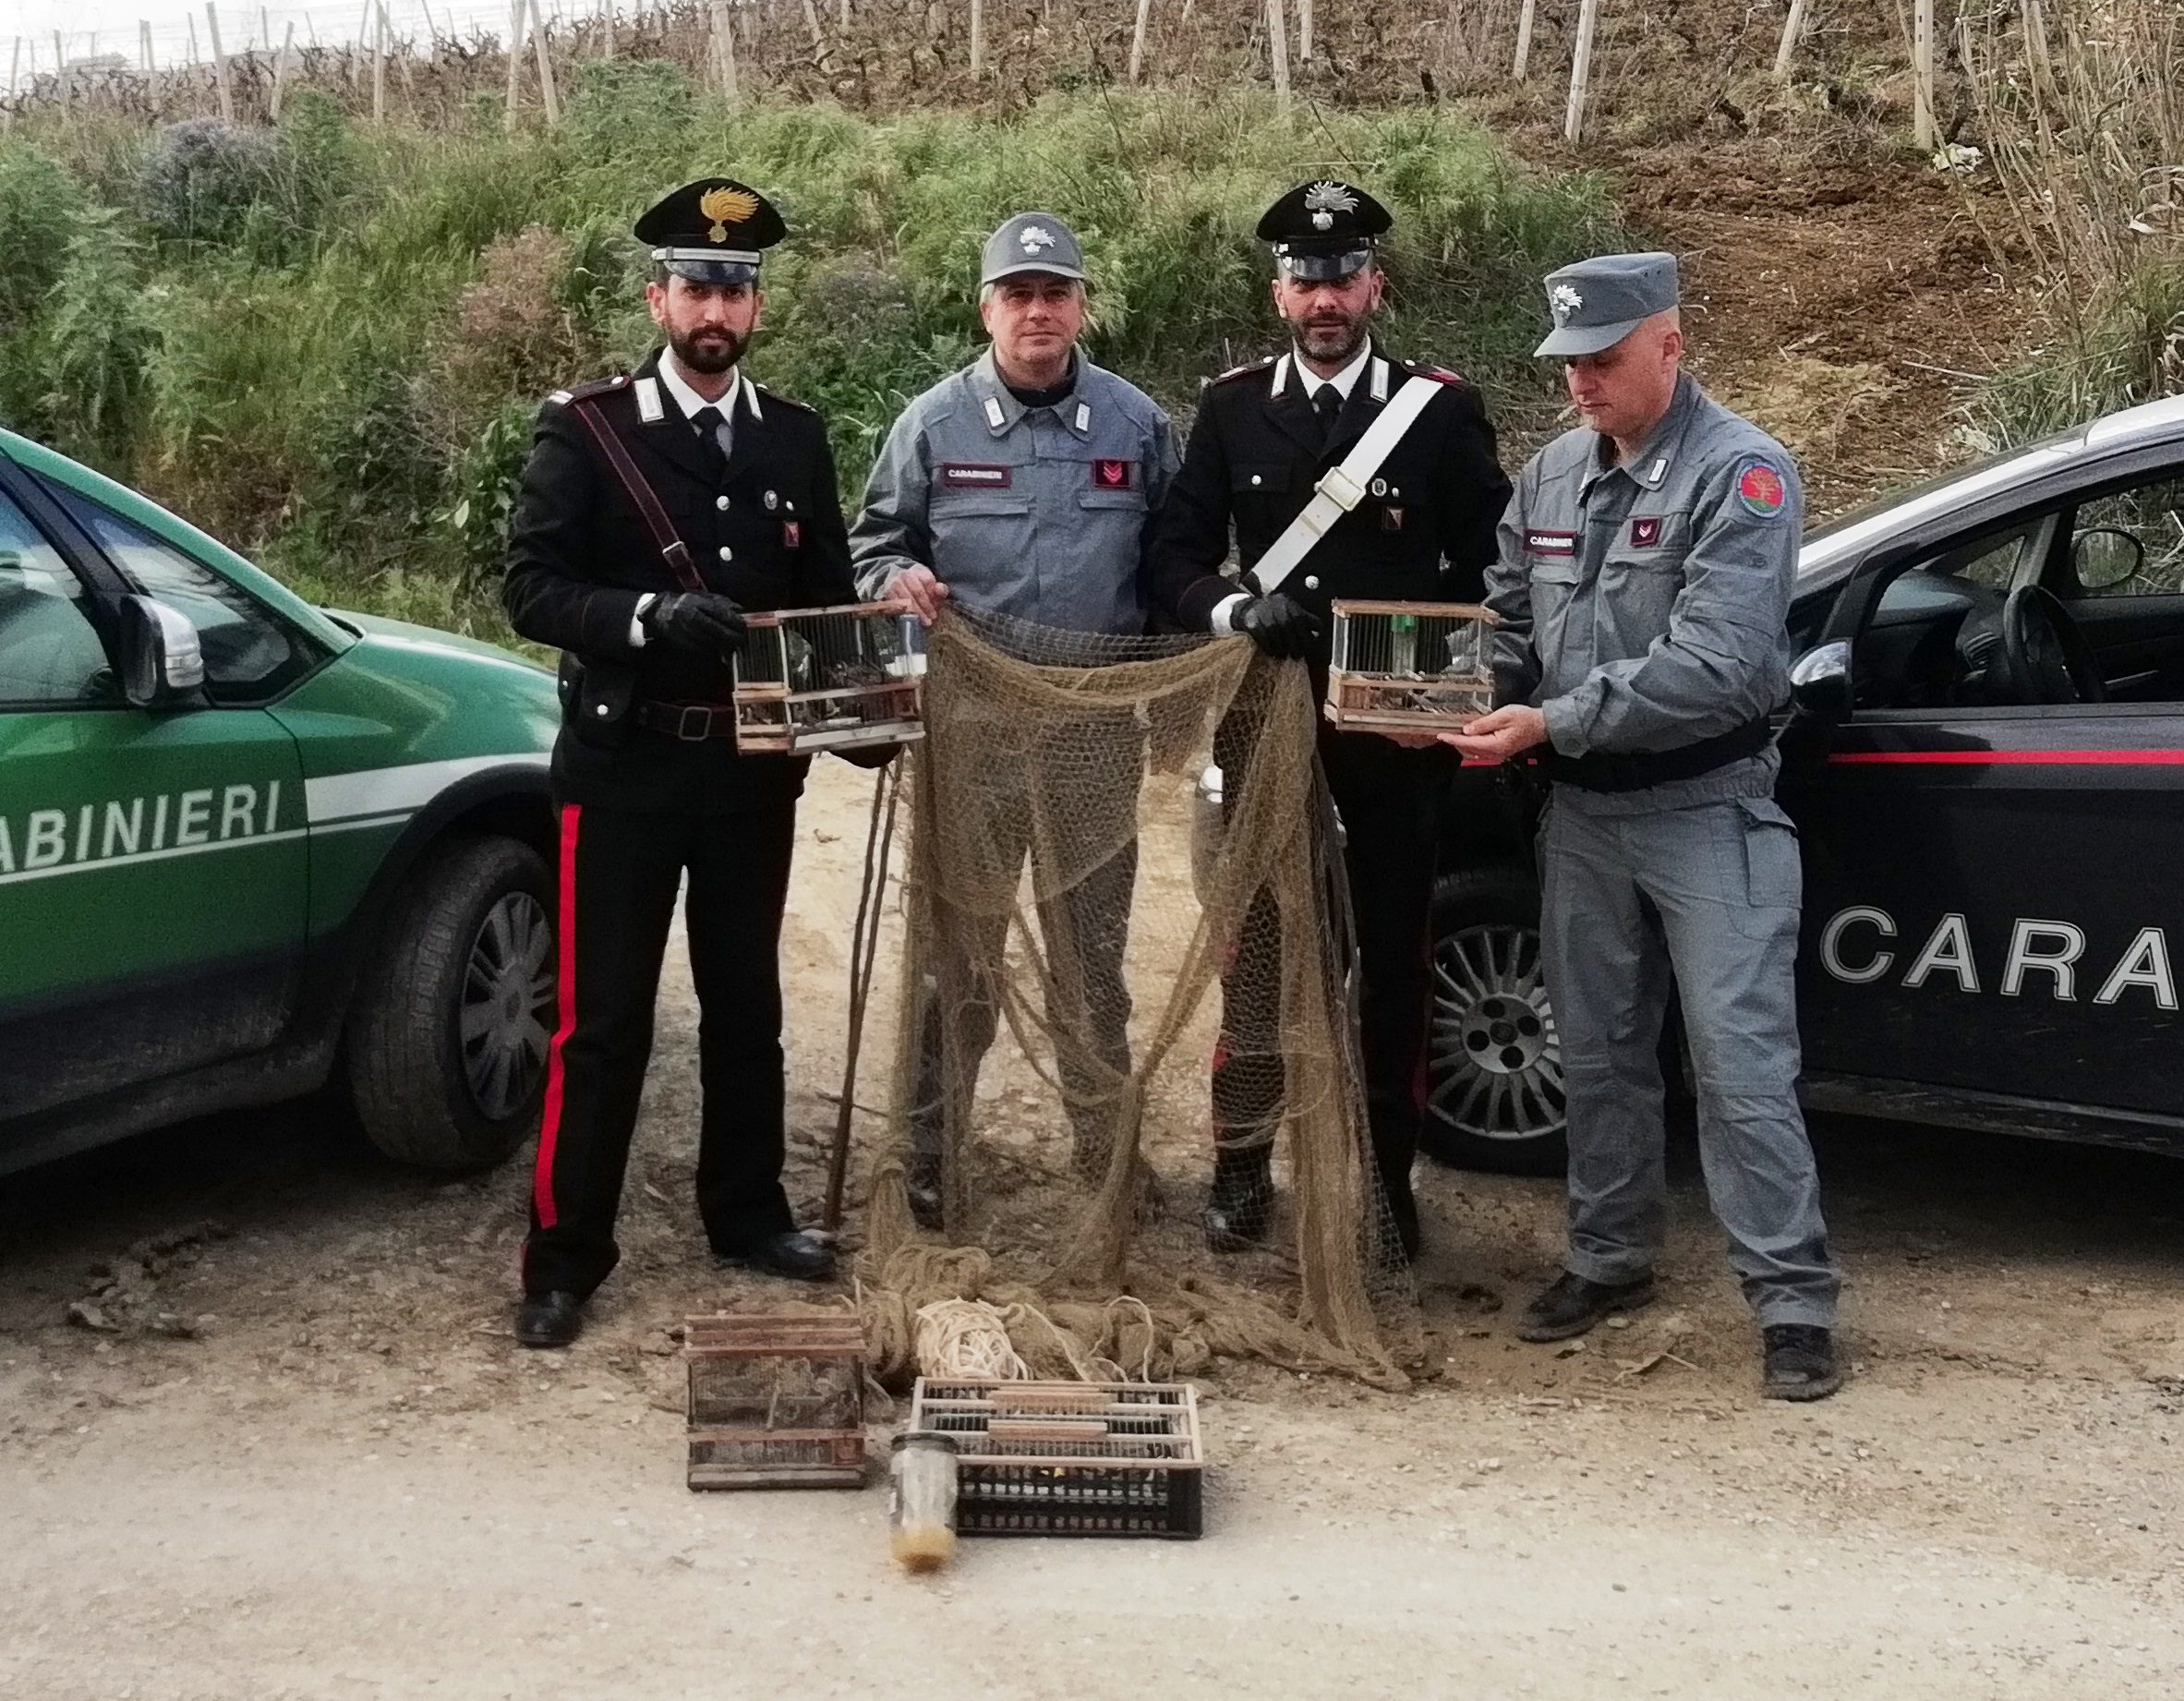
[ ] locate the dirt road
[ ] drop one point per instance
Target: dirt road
(298, 1456)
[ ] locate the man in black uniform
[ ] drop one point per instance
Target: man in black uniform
(1421, 529)
(655, 509)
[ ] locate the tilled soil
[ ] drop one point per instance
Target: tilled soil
(284, 1447)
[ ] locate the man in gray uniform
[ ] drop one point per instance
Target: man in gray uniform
(1022, 486)
(1644, 582)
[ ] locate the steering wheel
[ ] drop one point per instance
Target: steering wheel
(2045, 655)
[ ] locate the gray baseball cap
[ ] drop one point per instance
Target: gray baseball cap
(1032, 242)
(1596, 303)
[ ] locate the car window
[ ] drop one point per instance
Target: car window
(2152, 516)
(251, 654)
(50, 654)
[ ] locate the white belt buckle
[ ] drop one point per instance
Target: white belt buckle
(1340, 489)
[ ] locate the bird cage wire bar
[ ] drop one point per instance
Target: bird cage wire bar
(1403, 664)
(829, 679)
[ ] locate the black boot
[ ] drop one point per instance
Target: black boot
(1570, 1305)
(923, 1182)
(1800, 1362)
(1240, 1209)
(548, 1320)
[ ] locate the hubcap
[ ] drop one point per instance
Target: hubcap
(1497, 1062)
(508, 994)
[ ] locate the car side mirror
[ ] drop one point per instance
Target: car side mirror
(161, 661)
(1820, 684)
(2105, 557)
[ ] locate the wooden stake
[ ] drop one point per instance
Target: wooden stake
(1304, 32)
(2035, 23)
(547, 91)
(977, 36)
(1921, 64)
(518, 17)
(60, 69)
(281, 70)
(1277, 42)
(1138, 38)
(609, 11)
(724, 52)
(1523, 43)
(227, 95)
(379, 66)
(1793, 28)
(265, 27)
(845, 16)
(15, 66)
(144, 43)
(811, 24)
(1589, 17)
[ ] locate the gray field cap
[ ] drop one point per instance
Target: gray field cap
(1032, 242)
(1596, 303)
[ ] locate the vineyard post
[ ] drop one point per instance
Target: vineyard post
(1922, 57)
(281, 70)
(518, 15)
(1589, 17)
(1793, 28)
(228, 97)
(548, 93)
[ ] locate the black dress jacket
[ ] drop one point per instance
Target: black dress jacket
(768, 532)
(1424, 532)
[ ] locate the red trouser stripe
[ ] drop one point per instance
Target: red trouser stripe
(549, 1123)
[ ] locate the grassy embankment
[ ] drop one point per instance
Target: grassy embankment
(326, 342)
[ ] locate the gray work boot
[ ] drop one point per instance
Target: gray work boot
(1800, 1362)
(1570, 1305)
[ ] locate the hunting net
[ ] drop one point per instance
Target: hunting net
(1127, 991)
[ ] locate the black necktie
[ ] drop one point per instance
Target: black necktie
(709, 421)
(1327, 404)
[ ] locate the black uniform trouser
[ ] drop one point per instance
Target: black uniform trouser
(620, 872)
(1387, 796)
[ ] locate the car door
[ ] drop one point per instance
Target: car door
(153, 864)
(1984, 911)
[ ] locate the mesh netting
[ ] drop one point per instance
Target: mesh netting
(1091, 930)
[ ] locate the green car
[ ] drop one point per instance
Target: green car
(247, 845)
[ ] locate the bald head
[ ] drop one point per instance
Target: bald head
(1623, 391)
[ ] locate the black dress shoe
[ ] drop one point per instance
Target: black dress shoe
(796, 1253)
(1570, 1305)
(1800, 1362)
(922, 1181)
(1241, 1210)
(548, 1320)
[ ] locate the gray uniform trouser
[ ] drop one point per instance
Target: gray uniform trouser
(1712, 891)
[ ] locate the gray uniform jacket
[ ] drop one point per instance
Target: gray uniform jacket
(1037, 513)
(1645, 607)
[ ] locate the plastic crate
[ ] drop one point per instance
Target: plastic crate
(1070, 1458)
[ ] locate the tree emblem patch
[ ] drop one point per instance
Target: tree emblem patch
(1760, 488)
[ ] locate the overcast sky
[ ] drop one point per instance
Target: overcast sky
(110, 26)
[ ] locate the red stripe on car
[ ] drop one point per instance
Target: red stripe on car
(2013, 758)
(549, 1121)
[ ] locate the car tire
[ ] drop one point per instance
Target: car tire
(1493, 1079)
(453, 1011)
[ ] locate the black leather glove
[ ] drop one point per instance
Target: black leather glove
(698, 621)
(1280, 625)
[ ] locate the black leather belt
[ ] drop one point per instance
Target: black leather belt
(692, 723)
(1599, 771)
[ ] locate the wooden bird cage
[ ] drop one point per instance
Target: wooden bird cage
(829, 679)
(1069, 1458)
(776, 1401)
(1422, 665)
